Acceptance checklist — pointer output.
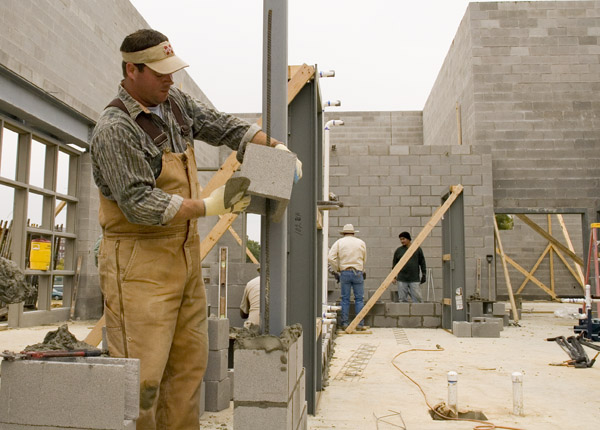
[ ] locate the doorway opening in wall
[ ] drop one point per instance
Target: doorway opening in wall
(544, 252)
(38, 191)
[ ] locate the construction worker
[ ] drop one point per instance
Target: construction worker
(144, 165)
(408, 278)
(348, 256)
(250, 305)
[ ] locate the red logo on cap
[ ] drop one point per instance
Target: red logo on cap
(168, 50)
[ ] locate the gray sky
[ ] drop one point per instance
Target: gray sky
(386, 53)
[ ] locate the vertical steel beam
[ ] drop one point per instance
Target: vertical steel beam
(275, 117)
(304, 298)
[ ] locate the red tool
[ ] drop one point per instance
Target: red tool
(41, 355)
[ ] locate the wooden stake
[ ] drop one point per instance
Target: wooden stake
(75, 286)
(513, 305)
(580, 276)
(456, 190)
(551, 254)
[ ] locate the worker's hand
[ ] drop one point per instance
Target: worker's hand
(336, 275)
(423, 278)
(298, 171)
(364, 275)
(215, 205)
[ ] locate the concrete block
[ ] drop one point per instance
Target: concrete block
(437, 309)
(298, 400)
(506, 320)
(432, 322)
(410, 322)
(421, 309)
(262, 376)
(499, 309)
(275, 417)
(461, 328)
(485, 329)
(499, 321)
(475, 309)
(216, 369)
(397, 309)
(303, 425)
(271, 174)
(218, 333)
(217, 395)
(36, 393)
(202, 398)
(381, 321)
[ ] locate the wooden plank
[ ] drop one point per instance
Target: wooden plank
(209, 242)
(60, 207)
(529, 276)
(75, 286)
(567, 265)
(567, 237)
(513, 305)
(456, 190)
(94, 337)
(550, 238)
(535, 267)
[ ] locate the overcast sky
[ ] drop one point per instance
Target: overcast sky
(386, 53)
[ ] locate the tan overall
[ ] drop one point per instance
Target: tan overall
(156, 302)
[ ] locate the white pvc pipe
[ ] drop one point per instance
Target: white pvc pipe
(330, 103)
(331, 308)
(453, 392)
(517, 380)
(326, 73)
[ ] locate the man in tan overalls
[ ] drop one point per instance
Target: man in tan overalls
(150, 270)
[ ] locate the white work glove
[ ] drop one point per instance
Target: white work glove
(215, 205)
(298, 171)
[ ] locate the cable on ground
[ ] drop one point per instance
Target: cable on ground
(440, 409)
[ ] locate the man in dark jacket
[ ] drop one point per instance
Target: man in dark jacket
(409, 277)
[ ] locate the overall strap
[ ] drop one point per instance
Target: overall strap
(144, 120)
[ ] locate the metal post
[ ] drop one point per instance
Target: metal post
(274, 110)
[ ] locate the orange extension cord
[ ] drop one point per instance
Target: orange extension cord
(485, 426)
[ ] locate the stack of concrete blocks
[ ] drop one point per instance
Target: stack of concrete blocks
(271, 174)
(270, 386)
(479, 327)
(217, 384)
(76, 393)
(406, 315)
(238, 275)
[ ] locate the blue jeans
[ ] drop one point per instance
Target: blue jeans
(409, 288)
(352, 280)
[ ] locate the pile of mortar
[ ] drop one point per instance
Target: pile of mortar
(13, 287)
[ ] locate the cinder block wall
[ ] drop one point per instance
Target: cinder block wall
(71, 51)
(390, 182)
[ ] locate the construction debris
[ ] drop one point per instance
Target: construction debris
(13, 286)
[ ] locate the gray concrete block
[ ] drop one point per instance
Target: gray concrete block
(381, 321)
(485, 329)
(218, 333)
(461, 328)
(262, 376)
(298, 400)
(35, 393)
(271, 174)
(397, 309)
(217, 395)
(275, 417)
(432, 322)
(216, 369)
(506, 320)
(437, 309)
(410, 322)
(499, 321)
(475, 309)
(499, 309)
(421, 309)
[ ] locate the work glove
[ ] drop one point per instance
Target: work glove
(298, 171)
(336, 275)
(423, 278)
(215, 205)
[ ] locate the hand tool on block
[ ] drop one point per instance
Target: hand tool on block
(233, 187)
(41, 355)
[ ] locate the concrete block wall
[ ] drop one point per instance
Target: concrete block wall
(536, 72)
(216, 381)
(399, 189)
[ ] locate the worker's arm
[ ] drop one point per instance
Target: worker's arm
(332, 257)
